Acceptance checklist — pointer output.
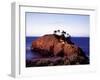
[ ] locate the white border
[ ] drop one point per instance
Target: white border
(18, 38)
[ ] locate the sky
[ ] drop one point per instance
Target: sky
(38, 24)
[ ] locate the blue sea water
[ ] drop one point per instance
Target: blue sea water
(82, 42)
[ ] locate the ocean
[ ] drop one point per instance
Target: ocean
(82, 42)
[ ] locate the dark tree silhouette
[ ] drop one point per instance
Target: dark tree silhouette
(63, 35)
(55, 32)
(68, 38)
(68, 35)
(63, 32)
(58, 30)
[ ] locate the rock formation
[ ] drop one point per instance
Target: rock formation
(52, 45)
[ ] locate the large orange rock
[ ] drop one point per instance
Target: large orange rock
(54, 45)
(45, 44)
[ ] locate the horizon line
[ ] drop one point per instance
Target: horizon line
(71, 36)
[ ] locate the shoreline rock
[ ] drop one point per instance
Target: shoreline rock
(51, 45)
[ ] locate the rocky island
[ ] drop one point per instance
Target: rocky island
(56, 50)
